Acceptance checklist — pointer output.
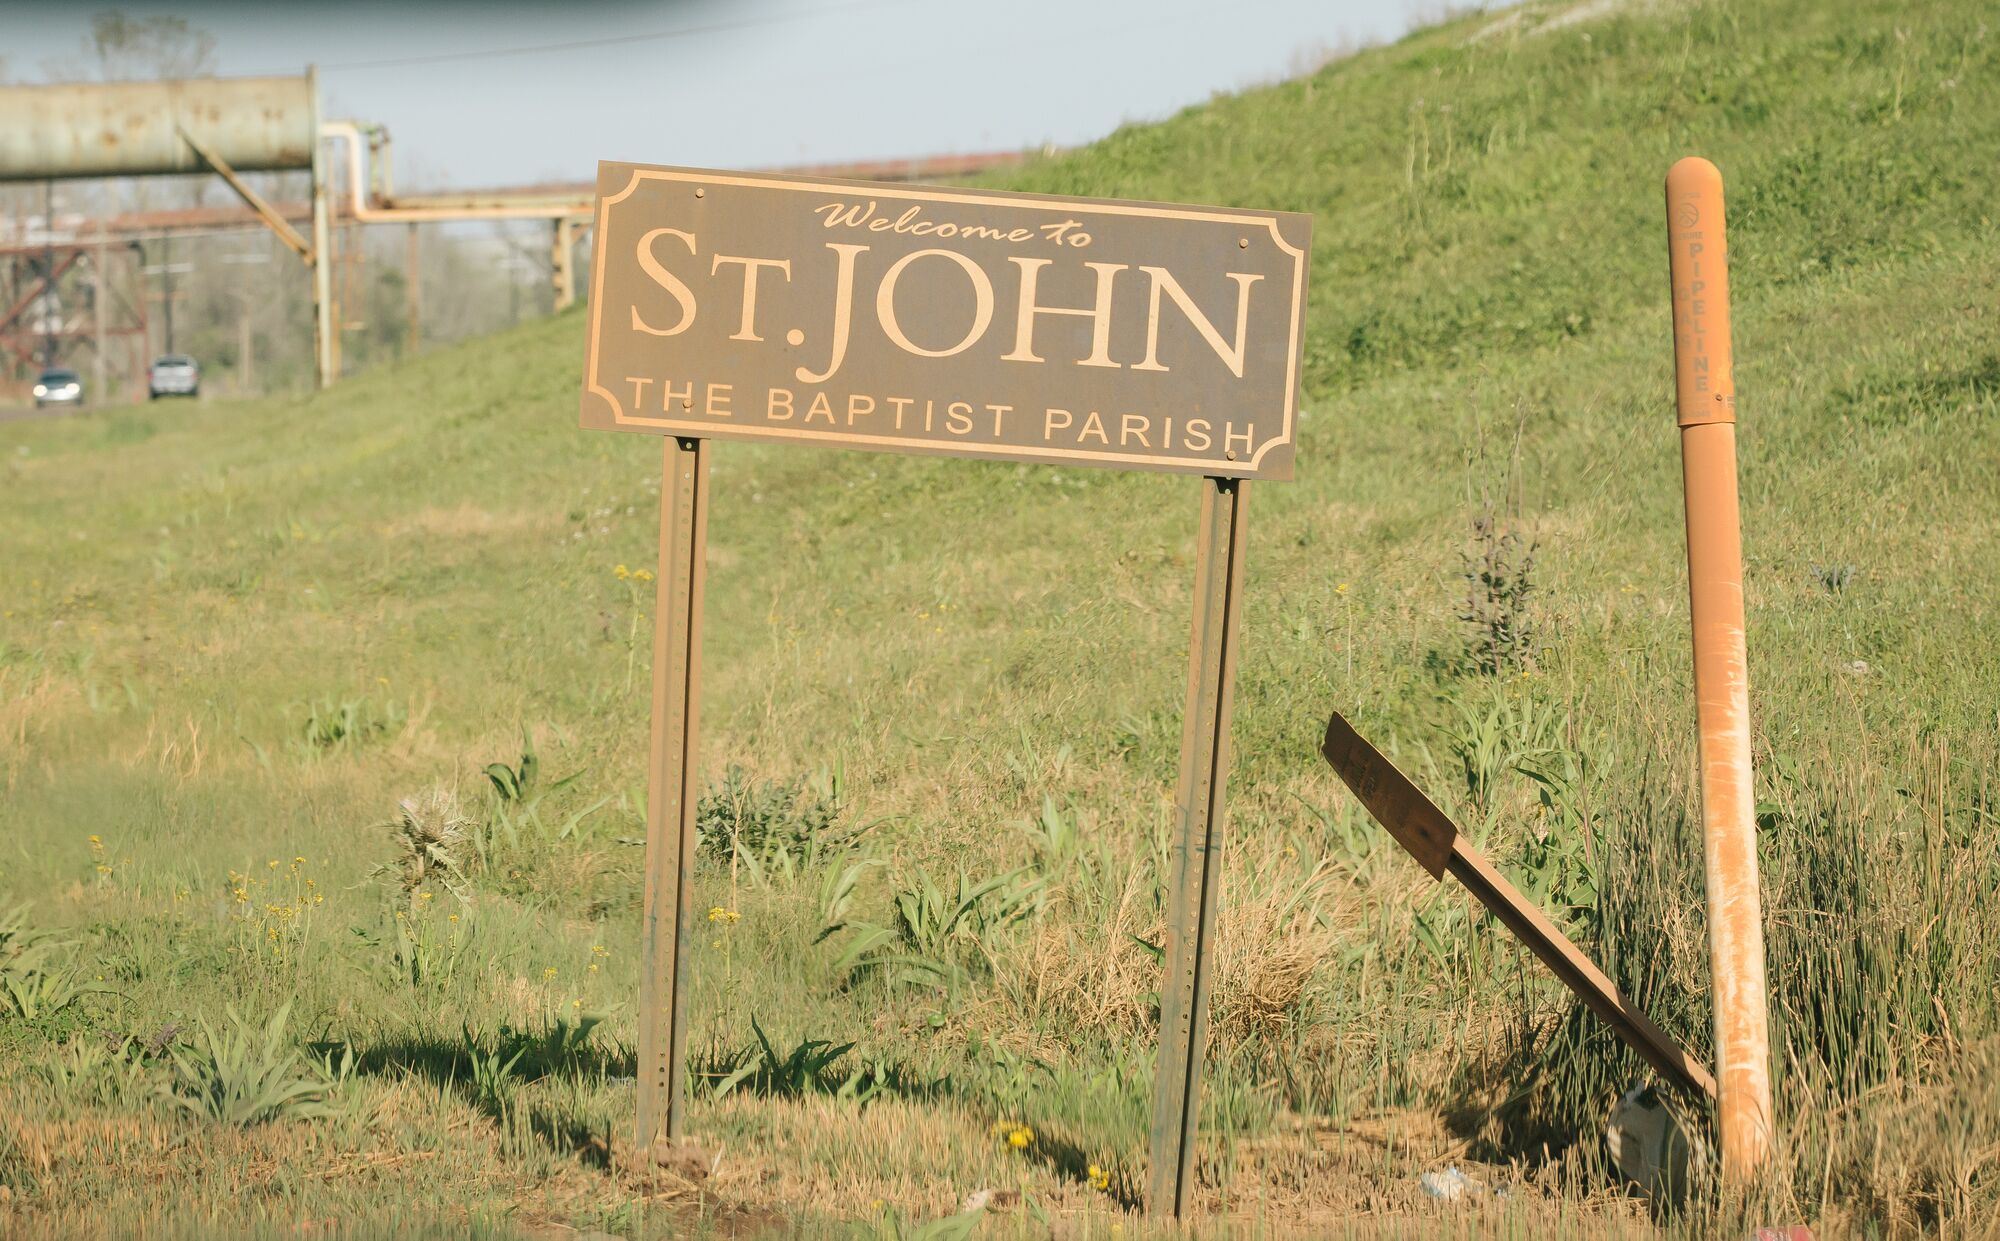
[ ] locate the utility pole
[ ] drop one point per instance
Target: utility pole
(48, 298)
(413, 295)
(246, 340)
(561, 266)
(100, 293)
(167, 270)
(138, 342)
(326, 357)
(353, 293)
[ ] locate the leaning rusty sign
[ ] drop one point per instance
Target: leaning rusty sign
(1414, 822)
(972, 323)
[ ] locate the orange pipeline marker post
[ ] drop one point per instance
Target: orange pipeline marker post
(1705, 392)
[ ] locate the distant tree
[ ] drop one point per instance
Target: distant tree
(122, 48)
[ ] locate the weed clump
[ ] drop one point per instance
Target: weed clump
(37, 978)
(241, 1074)
(1498, 569)
(807, 1069)
(773, 828)
(329, 725)
(429, 834)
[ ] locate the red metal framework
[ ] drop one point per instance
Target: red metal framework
(30, 274)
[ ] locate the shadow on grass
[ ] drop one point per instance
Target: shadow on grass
(562, 1048)
(1071, 1162)
(488, 1070)
(810, 1068)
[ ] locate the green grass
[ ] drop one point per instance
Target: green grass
(234, 637)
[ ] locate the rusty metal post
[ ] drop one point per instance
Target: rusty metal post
(1705, 391)
(670, 804)
(1197, 867)
(326, 365)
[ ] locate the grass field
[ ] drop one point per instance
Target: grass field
(289, 958)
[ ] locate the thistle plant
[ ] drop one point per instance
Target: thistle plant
(429, 833)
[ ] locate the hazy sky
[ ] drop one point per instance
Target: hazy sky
(739, 83)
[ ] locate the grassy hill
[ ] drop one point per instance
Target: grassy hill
(234, 637)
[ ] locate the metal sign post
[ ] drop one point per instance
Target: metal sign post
(670, 802)
(968, 323)
(1197, 867)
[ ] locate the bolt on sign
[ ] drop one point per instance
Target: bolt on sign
(970, 323)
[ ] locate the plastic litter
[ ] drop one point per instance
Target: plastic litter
(1650, 1147)
(1450, 1185)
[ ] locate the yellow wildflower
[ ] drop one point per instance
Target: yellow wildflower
(1099, 1178)
(1020, 1137)
(622, 572)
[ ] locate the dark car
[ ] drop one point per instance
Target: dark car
(173, 374)
(58, 387)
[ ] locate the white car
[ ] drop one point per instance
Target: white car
(173, 374)
(58, 387)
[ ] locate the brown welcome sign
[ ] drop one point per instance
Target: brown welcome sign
(972, 323)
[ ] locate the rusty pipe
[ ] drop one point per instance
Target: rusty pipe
(115, 129)
(1705, 395)
(354, 135)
